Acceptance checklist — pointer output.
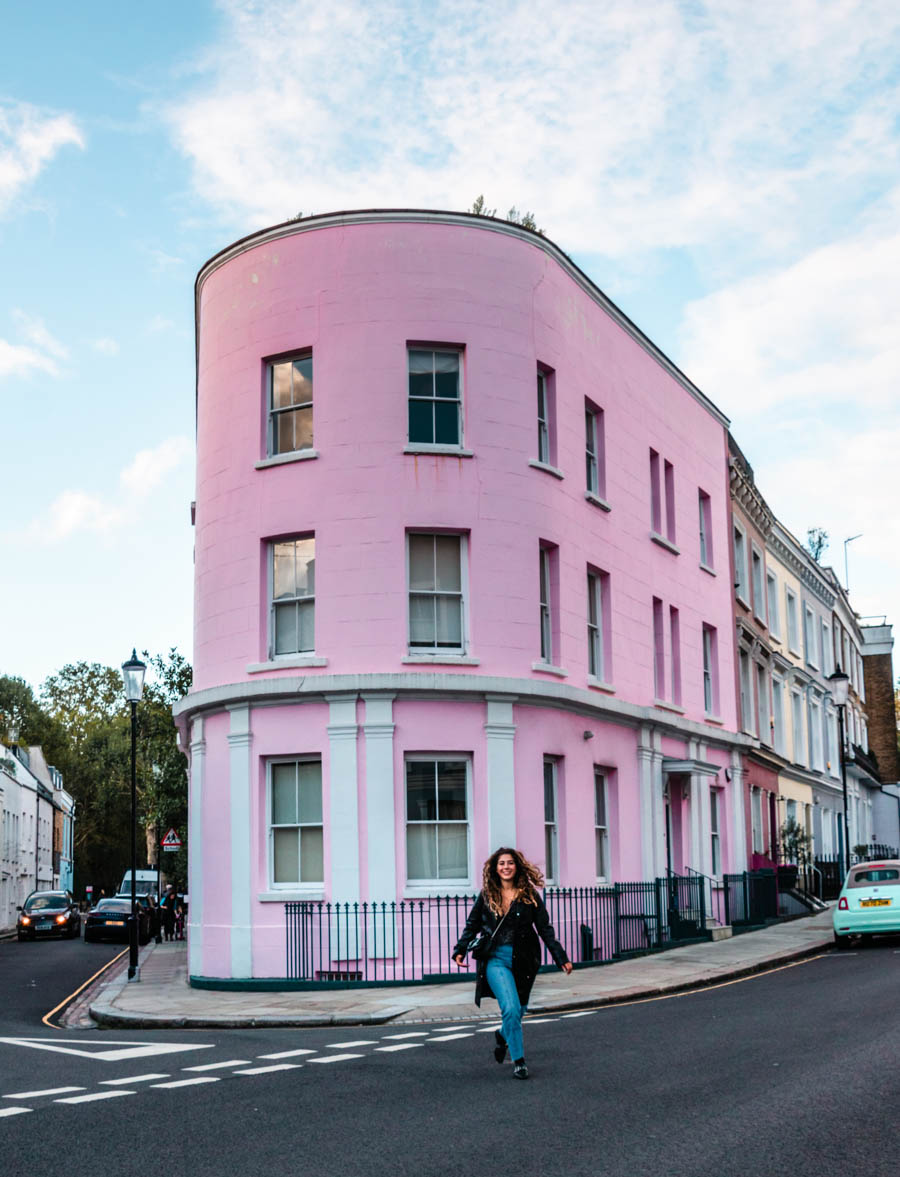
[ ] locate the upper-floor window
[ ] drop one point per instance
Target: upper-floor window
(797, 727)
(778, 715)
(437, 819)
(710, 670)
(763, 709)
(793, 623)
(741, 584)
(827, 652)
(810, 637)
(601, 825)
(543, 418)
(293, 578)
(597, 624)
(547, 557)
(659, 651)
(748, 717)
(772, 594)
(436, 598)
(675, 646)
(594, 450)
(435, 397)
(706, 544)
(551, 851)
(759, 600)
(295, 822)
(662, 497)
(290, 384)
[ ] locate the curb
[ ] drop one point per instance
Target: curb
(105, 1014)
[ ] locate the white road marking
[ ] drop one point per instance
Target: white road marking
(132, 1079)
(49, 1091)
(14, 1111)
(489, 1029)
(129, 1049)
(411, 1034)
(401, 1046)
(287, 1053)
(232, 1062)
(342, 1045)
(450, 1037)
(449, 1029)
(584, 1013)
(269, 1070)
(538, 1021)
(95, 1095)
(334, 1058)
(189, 1082)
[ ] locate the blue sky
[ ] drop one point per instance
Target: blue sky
(728, 173)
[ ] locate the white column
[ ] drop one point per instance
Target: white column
(500, 732)
(195, 850)
(380, 792)
(646, 783)
(239, 739)
(738, 821)
(343, 798)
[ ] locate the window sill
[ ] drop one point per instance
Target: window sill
(452, 451)
(666, 706)
(291, 895)
(283, 459)
(796, 653)
(706, 568)
(546, 668)
(287, 663)
(665, 543)
(440, 660)
(716, 719)
(434, 890)
(741, 600)
(546, 467)
(597, 501)
(600, 685)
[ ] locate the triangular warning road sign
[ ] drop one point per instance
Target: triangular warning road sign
(171, 841)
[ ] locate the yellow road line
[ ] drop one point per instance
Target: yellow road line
(66, 1000)
(682, 993)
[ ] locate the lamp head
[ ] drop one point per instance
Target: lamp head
(133, 672)
(840, 686)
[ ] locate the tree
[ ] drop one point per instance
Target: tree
(526, 220)
(816, 541)
(795, 843)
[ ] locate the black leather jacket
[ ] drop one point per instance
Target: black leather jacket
(529, 921)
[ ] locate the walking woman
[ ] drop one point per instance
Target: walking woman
(506, 920)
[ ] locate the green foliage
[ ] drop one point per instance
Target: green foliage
(816, 541)
(795, 843)
(526, 220)
(861, 850)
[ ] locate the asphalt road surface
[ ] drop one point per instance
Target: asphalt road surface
(793, 1072)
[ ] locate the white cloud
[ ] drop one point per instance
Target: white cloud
(624, 127)
(161, 262)
(38, 353)
(106, 346)
(35, 332)
(29, 139)
(159, 323)
(74, 511)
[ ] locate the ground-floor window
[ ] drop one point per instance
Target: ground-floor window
(550, 835)
(437, 819)
(756, 820)
(715, 845)
(601, 825)
(295, 822)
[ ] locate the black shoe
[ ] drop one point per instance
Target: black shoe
(500, 1048)
(520, 1071)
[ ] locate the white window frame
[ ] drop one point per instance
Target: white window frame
(272, 414)
(827, 650)
(715, 845)
(298, 886)
(595, 458)
(709, 691)
(601, 829)
(543, 418)
(439, 446)
(758, 582)
(814, 721)
(551, 825)
(792, 614)
(595, 624)
(545, 593)
(705, 510)
(438, 885)
(756, 820)
(308, 598)
(810, 636)
(798, 742)
(747, 692)
(741, 571)
(438, 651)
(772, 604)
(778, 714)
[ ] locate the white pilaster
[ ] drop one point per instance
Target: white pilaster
(239, 738)
(659, 812)
(647, 809)
(738, 820)
(380, 807)
(195, 850)
(500, 733)
(343, 798)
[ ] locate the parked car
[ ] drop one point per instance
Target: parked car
(869, 902)
(110, 918)
(48, 913)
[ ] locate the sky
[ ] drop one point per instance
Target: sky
(726, 172)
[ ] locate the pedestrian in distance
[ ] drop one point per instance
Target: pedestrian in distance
(169, 908)
(155, 919)
(502, 932)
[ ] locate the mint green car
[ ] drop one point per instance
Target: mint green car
(869, 902)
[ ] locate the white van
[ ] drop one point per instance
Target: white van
(144, 884)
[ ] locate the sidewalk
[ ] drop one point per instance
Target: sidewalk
(163, 997)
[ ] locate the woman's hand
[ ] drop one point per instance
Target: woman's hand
(567, 967)
(460, 960)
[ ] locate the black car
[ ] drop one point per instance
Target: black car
(110, 918)
(48, 913)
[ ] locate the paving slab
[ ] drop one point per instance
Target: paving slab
(163, 997)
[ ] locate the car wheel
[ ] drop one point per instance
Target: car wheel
(89, 937)
(841, 942)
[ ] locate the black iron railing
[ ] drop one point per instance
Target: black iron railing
(751, 898)
(412, 940)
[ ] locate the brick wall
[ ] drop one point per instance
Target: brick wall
(880, 708)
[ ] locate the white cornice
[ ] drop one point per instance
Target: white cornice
(791, 554)
(463, 220)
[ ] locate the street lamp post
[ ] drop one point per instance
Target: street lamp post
(133, 676)
(840, 692)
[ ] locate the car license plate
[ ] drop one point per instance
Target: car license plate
(43, 926)
(115, 923)
(874, 903)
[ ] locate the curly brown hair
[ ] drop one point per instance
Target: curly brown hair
(528, 880)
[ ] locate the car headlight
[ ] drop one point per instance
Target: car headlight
(61, 919)
(25, 919)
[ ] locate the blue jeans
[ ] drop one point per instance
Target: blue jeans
(501, 980)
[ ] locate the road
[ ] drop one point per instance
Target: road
(792, 1072)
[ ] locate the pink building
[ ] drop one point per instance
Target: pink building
(462, 580)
